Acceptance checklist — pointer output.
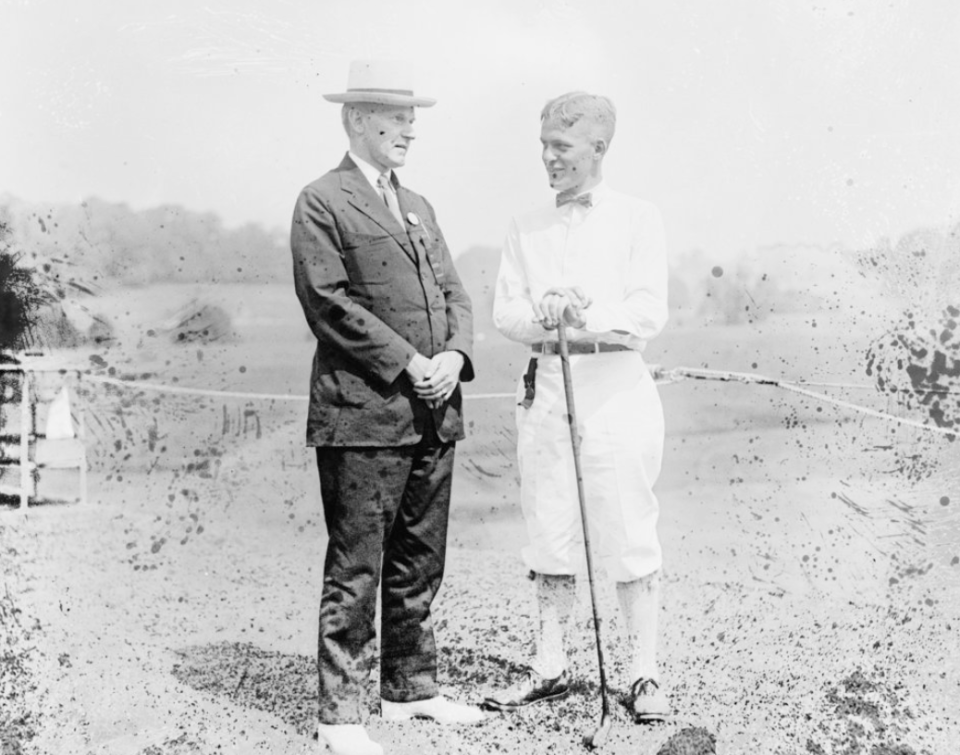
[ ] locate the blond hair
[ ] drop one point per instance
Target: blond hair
(571, 107)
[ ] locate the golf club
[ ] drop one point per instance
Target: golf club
(599, 736)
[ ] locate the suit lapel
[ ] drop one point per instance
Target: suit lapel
(407, 207)
(364, 198)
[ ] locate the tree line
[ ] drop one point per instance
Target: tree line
(100, 245)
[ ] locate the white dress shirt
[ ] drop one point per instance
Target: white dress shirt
(370, 172)
(615, 251)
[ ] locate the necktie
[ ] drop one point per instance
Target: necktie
(389, 197)
(565, 197)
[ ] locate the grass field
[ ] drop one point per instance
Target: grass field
(811, 566)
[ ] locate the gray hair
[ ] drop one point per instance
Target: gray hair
(569, 108)
(364, 107)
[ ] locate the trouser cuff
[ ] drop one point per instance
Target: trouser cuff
(409, 693)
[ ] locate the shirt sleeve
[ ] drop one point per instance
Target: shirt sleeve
(513, 312)
(643, 310)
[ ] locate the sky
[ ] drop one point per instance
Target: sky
(748, 123)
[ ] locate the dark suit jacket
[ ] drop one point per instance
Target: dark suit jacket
(375, 294)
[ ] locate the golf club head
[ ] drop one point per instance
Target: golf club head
(595, 740)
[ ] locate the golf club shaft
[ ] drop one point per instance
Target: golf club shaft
(575, 442)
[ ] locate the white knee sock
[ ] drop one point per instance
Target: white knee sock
(640, 603)
(556, 597)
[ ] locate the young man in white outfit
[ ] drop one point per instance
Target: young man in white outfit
(593, 262)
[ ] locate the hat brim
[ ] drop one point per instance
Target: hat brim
(381, 98)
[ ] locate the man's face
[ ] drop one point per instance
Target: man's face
(569, 154)
(386, 135)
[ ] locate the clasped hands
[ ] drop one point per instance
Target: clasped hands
(565, 303)
(435, 379)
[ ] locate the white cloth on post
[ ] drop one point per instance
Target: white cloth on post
(59, 417)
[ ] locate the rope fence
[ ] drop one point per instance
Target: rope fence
(196, 425)
(680, 373)
(197, 391)
(662, 377)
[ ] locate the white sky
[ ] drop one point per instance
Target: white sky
(748, 122)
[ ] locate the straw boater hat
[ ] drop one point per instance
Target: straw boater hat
(384, 82)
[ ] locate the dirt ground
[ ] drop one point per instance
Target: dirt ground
(810, 589)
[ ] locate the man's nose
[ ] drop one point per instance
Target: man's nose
(407, 132)
(548, 155)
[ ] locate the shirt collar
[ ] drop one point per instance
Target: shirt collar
(597, 193)
(370, 172)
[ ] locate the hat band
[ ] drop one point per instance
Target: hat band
(407, 92)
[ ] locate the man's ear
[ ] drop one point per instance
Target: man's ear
(599, 149)
(355, 118)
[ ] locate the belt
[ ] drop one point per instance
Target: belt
(578, 347)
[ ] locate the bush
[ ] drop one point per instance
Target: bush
(53, 330)
(201, 323)
(20, 298)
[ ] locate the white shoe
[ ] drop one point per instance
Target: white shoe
(436, 708)
(347, 739)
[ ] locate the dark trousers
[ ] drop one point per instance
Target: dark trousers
(384, 508)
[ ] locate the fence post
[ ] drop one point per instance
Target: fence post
(26, 430)
(82, 435)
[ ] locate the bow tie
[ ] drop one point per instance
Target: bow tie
(566, 198)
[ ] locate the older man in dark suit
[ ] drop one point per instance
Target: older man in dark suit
(394, 339)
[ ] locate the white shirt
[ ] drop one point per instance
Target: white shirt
(615, 251)
(370, 172)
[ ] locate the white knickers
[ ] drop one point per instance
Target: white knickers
(620, 421)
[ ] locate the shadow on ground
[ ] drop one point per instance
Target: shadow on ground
(286, 686)
(276, 683)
